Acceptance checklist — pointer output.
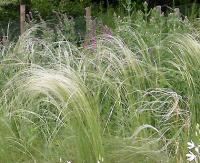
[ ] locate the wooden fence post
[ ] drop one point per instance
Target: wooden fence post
(22, 18)
(88, 19)
(177, 12)
(159, 9)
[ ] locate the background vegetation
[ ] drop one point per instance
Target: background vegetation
(9, 9)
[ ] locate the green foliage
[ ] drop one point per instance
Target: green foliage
(5, 2)
(131, 98)
(44, 7)
(8, 12)
(74, 8)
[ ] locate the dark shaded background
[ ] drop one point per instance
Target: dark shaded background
(10, 12)
(76, 7)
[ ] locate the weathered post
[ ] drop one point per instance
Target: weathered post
(177, 12)
(88, 19)
(22, 18)
(159, 9)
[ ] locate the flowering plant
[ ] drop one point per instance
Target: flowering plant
(194, 149)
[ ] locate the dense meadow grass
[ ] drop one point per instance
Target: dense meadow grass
(130, 96)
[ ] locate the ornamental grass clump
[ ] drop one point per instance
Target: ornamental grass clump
(97, 106)
(131, 99)
(52, 102)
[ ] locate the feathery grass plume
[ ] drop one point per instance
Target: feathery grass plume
(31, 49)
(119, 90)
(183, 68)
(137, 148)
(56, 103)
(114, 67)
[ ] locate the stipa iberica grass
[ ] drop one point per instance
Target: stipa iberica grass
(131, 99)
(51, 102)
(53, 110)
